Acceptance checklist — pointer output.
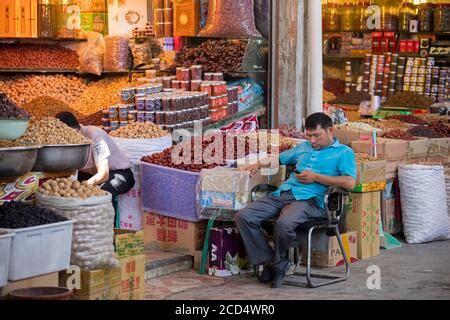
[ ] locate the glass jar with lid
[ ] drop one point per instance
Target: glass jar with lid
(407, 13)
(332, 16)
(442, 16)
(426, 16)
(389, 15)
(68, 19)
(46, 18)
(348, 15)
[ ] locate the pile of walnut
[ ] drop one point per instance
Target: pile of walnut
(139, 130)
(67, 188)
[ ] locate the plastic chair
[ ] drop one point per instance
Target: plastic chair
(334, 224)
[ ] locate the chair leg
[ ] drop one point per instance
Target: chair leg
(310, 276)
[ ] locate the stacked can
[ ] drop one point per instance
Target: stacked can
(348, 76)
(233, 100)
(366, 73)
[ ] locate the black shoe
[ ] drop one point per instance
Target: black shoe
(280, 269)
(267, 274)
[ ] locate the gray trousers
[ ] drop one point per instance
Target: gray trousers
(290, 214)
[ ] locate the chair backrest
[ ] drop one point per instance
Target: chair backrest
(335, 205)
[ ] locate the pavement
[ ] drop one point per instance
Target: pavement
(412, 272)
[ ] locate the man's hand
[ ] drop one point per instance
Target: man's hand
(307, 177)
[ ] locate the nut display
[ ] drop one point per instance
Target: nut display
(354, 97)
(363, 157)
(408, 100)
(51, 131)
(21, 89)
(99, 95)
(335, 86)
(328, 96)
(423, 131)
(37, 56)
(16, 215)
(356, 126)
(386, 124)
(94, 119)
(213, 56)
(44, 107)
(204, 143)
(399, 134)
(139, 130)
(408, 119)
(441, 128)
(8, 110)
(67, 188)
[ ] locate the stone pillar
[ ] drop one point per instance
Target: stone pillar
(314, 57)
(289, 67)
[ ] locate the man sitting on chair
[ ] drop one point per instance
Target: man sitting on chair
(319, 163)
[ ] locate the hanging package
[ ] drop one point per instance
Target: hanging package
(424, 203)
(116, 53)
(91, 58)
(230, 18)
(93, 234)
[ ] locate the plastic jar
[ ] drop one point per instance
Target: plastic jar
(46, 18)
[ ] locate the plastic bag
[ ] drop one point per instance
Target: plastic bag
(230, 18)
(142, 53)
(424, 203)
(93, 234)
(116, 53)
(262, 16)
(130, 204)
(250, 93)
(91, 58)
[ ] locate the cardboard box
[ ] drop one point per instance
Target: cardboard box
(348, 136)
(197, 255)
(128, 243)
(363, 216)
(439, 147)
(388, 149)
(48, 280)
(392, 169)
(389, 219)
(186, 14)
(170, 234)
(326, 252)
(371, 171)
(132, 278)
(227, 253)
(418, 149)
(99, 284)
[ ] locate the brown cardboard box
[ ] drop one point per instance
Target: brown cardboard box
(99, 284)
(128, 243)
(132, 278)
(170, 234)
(347, 136)
(364, 217)
(197, 255)
(389, 219)
(48, 280)
(418, 149)
(371, 171)
(392, 169)
(388, 149)
(326, 251)
(439, 147)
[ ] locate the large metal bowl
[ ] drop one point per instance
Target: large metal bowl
(62, 158)
(17, 161)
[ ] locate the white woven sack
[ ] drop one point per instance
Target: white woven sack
(93, 234)
(424, 203)
(130, 204)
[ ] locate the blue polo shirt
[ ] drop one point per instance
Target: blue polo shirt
(334, 160)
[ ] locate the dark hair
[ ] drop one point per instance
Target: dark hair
(69, 119)
(318, 119)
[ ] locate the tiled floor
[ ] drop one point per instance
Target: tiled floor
(412, 272)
